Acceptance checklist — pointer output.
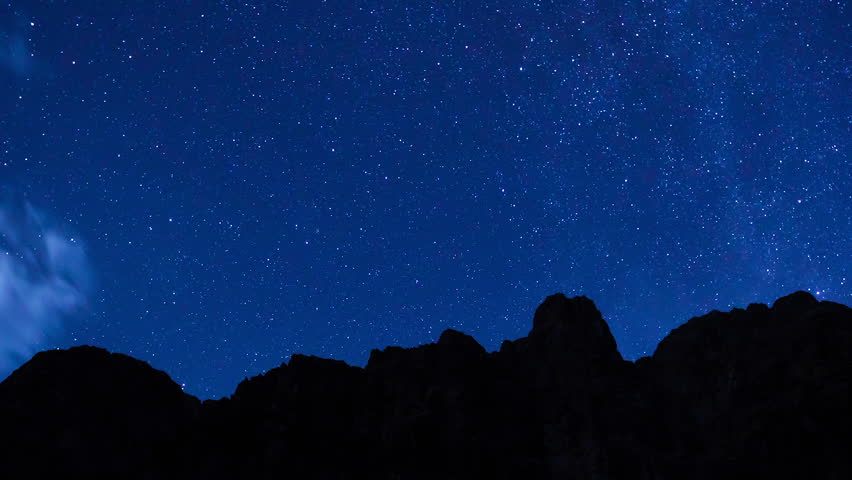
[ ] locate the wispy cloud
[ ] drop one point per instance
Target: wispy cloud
(44, 278)
(15, 53)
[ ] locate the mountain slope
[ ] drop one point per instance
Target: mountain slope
(755, 393)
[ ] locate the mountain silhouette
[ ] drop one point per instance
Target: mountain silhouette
(762, 392)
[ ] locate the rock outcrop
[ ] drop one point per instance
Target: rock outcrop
(755, 393)
(85, 412)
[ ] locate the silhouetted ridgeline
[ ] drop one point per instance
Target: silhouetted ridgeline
(755, 393)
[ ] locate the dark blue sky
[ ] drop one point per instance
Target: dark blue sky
(248, 180)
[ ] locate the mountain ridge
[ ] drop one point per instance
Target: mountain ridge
(760, 391)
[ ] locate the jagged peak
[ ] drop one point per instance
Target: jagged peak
(298, 360)
(455, 339)
(79, 351)
(82, 358)
(572, 326)
(697, 330)
(559, 310)
(797, 302)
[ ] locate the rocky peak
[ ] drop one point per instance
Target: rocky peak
(795, 304)
(572, 327)
(458, 341)
(112, 374)
(454, 354)
(91, 412)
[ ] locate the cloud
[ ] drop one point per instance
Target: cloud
(44, 279)
(15, 54)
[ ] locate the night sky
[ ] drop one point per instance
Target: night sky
(214, 186)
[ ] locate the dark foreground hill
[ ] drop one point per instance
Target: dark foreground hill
(755, 393)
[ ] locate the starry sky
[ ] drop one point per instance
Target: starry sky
(214, 186)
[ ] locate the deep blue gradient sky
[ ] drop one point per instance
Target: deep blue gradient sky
(255, 179)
